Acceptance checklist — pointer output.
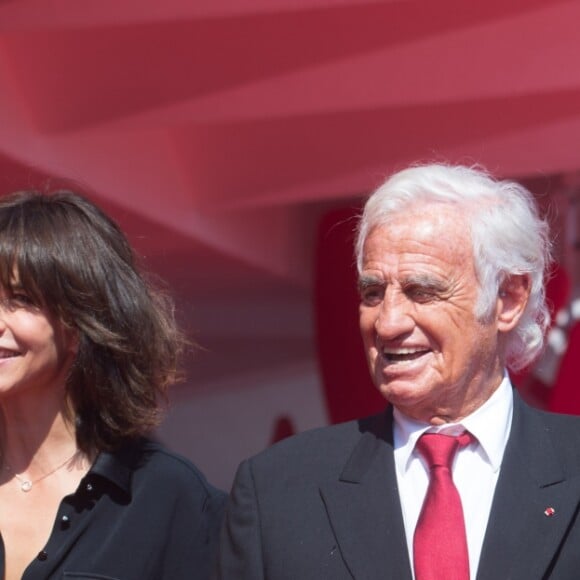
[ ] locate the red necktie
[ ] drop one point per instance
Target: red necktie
(440, 544)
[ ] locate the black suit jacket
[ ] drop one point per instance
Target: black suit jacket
(325, 505)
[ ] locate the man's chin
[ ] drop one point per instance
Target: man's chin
(403, 395)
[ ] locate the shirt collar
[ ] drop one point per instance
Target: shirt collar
(490, 424)
(118, 466)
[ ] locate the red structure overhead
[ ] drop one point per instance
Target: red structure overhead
(220, 132)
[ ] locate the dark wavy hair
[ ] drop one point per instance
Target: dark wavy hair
(74, 261)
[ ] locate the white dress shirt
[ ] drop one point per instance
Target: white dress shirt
(475, 469)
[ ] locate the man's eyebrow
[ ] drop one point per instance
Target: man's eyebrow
(365, 281)
(426, 281)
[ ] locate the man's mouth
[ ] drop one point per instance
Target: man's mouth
(394, 355)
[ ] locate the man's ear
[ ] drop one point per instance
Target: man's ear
(513, 296)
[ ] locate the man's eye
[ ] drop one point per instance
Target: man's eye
(372, 296)
(421, 294)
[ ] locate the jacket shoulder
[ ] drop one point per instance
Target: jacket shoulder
(552, 433)
(316, 451)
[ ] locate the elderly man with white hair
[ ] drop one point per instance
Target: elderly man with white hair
(458, 479)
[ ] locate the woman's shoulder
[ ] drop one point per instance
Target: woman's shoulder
(152, 463)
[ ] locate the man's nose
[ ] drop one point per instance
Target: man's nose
(395, 316)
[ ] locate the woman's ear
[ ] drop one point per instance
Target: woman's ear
(513, 296)
(71, 338)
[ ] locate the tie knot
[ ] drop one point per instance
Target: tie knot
(439, 449)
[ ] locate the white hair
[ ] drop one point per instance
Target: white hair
(507, 234)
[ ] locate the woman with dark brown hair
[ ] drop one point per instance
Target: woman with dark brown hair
(87, 350)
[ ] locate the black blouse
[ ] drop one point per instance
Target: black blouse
(140, 513)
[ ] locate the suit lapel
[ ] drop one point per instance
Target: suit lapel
(521, 540)
(364, 509)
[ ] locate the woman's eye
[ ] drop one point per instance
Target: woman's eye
(21, 299)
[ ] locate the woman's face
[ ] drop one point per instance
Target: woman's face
(36, 351)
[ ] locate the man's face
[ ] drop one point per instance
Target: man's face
(427, 352)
